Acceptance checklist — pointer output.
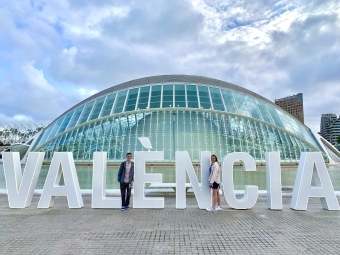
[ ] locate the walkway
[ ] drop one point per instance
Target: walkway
(60, 230)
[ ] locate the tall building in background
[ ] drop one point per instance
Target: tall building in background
(294, 105)
(330, 127)
(335, 133)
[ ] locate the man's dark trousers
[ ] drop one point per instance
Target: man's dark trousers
(125, 191)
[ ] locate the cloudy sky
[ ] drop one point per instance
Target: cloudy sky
(54, 53)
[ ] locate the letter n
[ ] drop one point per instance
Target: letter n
(203, 195)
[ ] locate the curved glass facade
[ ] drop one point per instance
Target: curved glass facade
(177, 116)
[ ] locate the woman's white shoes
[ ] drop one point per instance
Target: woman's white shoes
(218, 208)
(212, 209)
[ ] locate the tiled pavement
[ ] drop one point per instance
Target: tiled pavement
(60, 230)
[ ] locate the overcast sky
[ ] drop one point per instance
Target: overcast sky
(55, 53)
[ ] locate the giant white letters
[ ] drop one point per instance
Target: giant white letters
(62, 162)
(139, 199)
(273, 177)
(203, 195)
(20, 187)
(250, 196)
(311, 165)
(99, 199)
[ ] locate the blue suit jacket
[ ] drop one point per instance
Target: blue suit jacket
(121, 172)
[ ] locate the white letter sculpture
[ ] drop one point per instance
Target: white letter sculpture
(62, 162)
(203, 196)
(20, 188)
(99, 199)
(273, 176)
(312, 165)
(139, 200)
(251, 191)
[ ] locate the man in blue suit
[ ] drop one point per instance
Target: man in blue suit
(125, 178)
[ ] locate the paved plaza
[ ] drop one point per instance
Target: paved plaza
(60, 230)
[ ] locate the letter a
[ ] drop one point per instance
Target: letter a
(20, 188)
(312, 165)
(62, 162)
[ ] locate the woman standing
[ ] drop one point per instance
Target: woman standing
(214, 183)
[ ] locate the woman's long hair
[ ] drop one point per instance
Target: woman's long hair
(215, 157)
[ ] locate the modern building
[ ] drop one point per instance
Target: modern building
(178, 112)
(330, 128)
(335, 133)
(294, 105)
(326, 123)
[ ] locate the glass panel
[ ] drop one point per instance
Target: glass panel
(254, 111)
(204, 97)
(192, 96)
(274, 116)
(155, 100)
(249, 99)
(132, 99)
(241, 105)
(120, 101)
(229, 101)
(86, 112)
(75, 117)
(168, 96)
(264, 112)
(96, 109)
(108, 105)
(65, 122)
(143, 97)
(285, 121)
(180, 96)
(56, 127)
(61, 142)
(216, 99)
(46, 134)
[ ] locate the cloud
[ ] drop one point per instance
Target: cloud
(59, 52)
(33, 98)
(35, 78)
(86, 92)
(20, 117)
(131, 46)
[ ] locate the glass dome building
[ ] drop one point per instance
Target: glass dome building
(177, 112)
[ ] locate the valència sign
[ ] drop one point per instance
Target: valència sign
(20, 187)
